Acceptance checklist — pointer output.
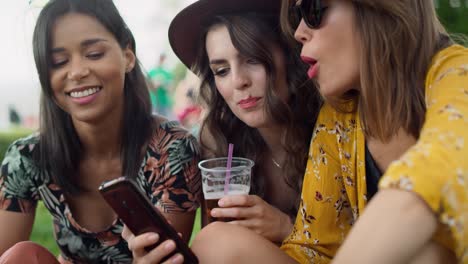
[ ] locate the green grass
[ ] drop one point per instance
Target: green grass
(42, 232)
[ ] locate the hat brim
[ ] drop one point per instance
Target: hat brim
(187, 26)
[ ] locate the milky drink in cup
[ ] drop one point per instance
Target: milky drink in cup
(214, 181)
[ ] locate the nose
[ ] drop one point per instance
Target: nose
(303, 33)
(77, 71)
(241, 79)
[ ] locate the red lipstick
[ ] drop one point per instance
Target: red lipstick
(313, 69)
(249, 102)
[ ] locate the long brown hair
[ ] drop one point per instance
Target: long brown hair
(60, 151)
(254, 36)
(398, 41)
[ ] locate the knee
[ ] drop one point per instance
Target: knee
(220, 242)
(27, 252)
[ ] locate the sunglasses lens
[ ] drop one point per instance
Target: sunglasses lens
(312, 12)
(309, 10)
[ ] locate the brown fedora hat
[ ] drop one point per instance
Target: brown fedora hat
(187, 25)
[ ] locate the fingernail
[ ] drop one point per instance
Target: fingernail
(221, 202)
(170, 245)
(214, 212)
(177, 259)
(153, 237)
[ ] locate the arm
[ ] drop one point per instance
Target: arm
(14, 227)
(426, 186)
(384, 227)
(17, 207)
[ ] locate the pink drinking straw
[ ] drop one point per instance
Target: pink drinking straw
(228, 169)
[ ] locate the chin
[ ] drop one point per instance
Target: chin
(253, 123)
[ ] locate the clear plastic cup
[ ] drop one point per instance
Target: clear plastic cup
(214, 177)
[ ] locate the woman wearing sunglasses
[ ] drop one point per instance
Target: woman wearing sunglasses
(396, 91)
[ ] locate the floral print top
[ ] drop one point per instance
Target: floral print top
(168, 175)
(436, 168)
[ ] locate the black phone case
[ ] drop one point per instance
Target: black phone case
(140, 216)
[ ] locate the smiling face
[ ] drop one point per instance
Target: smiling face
(243, 81)
(88, 67)
(332, 49)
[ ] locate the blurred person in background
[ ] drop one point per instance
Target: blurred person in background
(14, 116)
(160, 90)
(96, 125)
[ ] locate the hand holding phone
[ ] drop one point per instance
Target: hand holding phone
(140, 216)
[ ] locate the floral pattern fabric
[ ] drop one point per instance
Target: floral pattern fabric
(168, 175)
(436, 168)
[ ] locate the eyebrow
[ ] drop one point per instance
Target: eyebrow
(85, 43)
(218, 61)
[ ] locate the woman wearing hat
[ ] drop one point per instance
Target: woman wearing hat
(396, 111)
(253, 87)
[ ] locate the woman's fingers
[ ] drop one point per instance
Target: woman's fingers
(164, 249)
(239, 200)
(137, 244)
(176, 259)
(234, 212)
(126, 233)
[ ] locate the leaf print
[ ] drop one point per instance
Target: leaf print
(347, 155)
(12, 159)
(349, 181)
(17, 185)
(444, 74)
(309, 219)
(341, 204)
(73, 243)
(322, 157)
(179, 155)
(318, 196)
(320, 127)
(49, 199)
(454, 114)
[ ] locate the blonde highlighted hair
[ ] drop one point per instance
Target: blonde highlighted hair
(399, 39)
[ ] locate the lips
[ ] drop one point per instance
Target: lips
(249, 102)
(313, 68)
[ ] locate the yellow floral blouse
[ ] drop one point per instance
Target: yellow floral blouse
(436, 168)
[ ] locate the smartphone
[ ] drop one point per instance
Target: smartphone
(140, 216)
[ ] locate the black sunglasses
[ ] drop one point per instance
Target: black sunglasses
(310, 10)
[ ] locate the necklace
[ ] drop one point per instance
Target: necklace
(276, 163)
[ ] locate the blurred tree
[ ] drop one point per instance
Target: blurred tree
(454, 15)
